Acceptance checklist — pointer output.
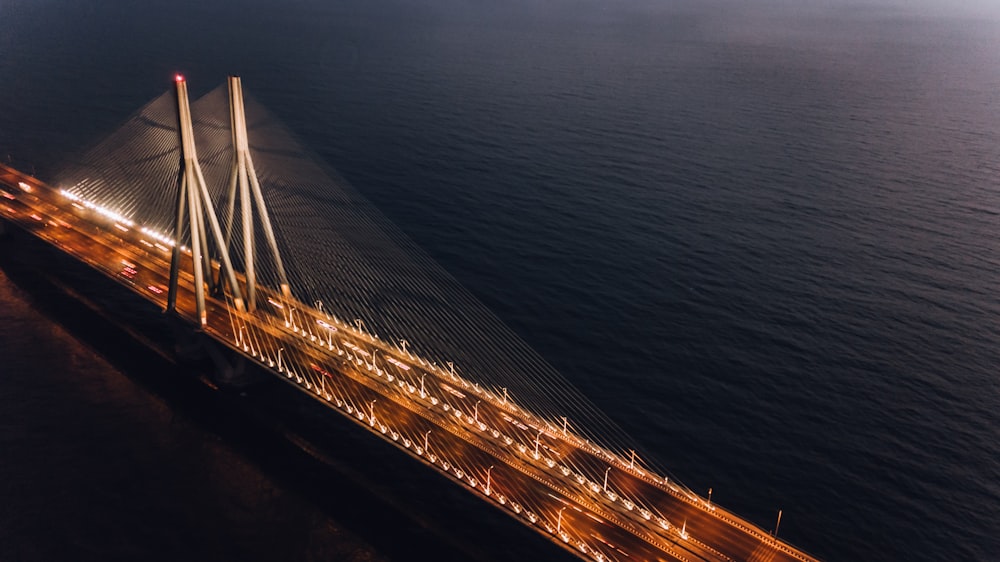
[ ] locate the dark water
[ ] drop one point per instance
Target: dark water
(764, 237)
(96, 467)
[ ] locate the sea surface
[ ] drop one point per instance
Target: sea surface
(763, 236)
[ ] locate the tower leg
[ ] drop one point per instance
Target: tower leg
(175, 254)
(196, 254)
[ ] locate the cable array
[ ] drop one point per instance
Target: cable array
(341, 253)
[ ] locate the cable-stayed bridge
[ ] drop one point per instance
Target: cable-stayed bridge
(214, 212)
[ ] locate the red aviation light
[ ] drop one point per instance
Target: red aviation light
(179, 78)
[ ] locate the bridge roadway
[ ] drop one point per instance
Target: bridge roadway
(597, 504)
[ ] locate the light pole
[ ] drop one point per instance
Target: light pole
(709, 496)
(308, 327)
(319, 306)
(606, 479)
(565, 423)
(488, 479)
(291, 319)
(371, 412)
(280, 349)
(505, 395)
(631, 463)
(776, 525)
(404, 343)
(426, 440)
(537, 439)
(559, 522)
(451, 368)
(475, 412)
(423, 393)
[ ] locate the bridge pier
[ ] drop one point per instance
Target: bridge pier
(231, 368)
(224, 366)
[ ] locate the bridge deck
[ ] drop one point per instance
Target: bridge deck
(594, 503)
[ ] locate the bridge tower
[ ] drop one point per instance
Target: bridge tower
(194, 204)
(243, 178)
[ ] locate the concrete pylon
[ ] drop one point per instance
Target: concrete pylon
(195, 204)
(243, 179)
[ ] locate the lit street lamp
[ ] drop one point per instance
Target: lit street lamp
(488, 475)
(559, 522)
(280, 349)
(606, 479)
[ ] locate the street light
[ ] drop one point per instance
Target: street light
(488, 476)
(537, 439)
(404, 343)
(559, 522)
(371, 412)
(475, 412)
(426, 438)
(280, 349)
(423, 393)
(606, 479)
